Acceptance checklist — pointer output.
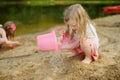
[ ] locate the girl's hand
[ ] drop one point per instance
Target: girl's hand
(66, 45)
(13, 44)
(16, 43)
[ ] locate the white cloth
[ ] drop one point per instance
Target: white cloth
(92, 34)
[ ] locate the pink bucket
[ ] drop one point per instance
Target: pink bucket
(48, 41)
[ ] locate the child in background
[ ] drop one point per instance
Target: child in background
(7, 35)
(80, 33)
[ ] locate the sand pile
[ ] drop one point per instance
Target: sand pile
(27, 63)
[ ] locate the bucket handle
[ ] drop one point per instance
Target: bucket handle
(61, 30)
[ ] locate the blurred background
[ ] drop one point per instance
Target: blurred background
(38, 15)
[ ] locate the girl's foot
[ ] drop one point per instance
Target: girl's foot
(87, 60)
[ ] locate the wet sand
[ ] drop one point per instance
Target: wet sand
(26, 62)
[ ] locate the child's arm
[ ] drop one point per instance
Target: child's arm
(70, 45)
(8, 42)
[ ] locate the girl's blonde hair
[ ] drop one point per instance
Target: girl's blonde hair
(77, 14)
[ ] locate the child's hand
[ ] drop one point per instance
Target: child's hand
(66, 45)
(62, 32)
(16, 43)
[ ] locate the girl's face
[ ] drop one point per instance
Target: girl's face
(72, 24)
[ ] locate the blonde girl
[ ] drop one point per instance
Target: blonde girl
(80, 33)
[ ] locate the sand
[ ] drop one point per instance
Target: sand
(26, 62)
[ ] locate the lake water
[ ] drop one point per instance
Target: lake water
(30, 19)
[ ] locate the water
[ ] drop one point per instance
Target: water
(30, 19)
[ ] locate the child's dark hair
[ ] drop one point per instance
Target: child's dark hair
(9, 32)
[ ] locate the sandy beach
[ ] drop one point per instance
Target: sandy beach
(26, 62)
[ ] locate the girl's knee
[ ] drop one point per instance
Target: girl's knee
(86, 46)
(85, 42)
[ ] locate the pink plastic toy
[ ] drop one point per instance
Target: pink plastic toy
(48, 41)
(12, 26)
